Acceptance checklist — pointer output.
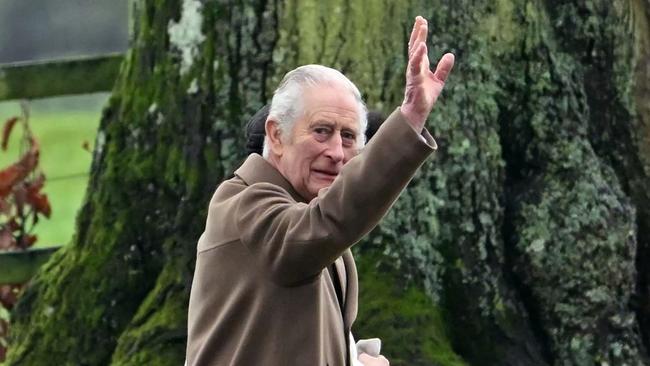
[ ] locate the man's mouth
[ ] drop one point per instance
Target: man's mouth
(325, 174)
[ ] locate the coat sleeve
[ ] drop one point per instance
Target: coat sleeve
(295, 241)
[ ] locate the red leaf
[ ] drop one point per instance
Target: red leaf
(9, 295)
(6, 131)
(34, 218)
(8, 178)
(13, 225)
(6, 239)
(36, 184)
(5, 207)
(16, 172)
(20, 197)
(36, 199)
(40, 202)
(28, 240)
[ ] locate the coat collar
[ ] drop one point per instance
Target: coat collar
(256, 169)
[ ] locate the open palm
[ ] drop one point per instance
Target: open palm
(422, 85)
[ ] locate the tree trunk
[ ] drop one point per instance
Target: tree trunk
(522, 242)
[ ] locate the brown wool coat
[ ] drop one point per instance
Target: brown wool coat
(262, 294)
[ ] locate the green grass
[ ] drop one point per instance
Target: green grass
(61, 126)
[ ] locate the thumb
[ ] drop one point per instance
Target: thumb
(444, 66)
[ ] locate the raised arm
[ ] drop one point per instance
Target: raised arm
(296, 240)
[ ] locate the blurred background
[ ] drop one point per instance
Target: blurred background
(42, 30)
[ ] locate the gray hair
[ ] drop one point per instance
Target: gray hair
(287, 102)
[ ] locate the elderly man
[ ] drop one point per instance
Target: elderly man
(275, 282)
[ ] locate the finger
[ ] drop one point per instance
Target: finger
(423, 31)
(421, 36)
(424, 64)
(415, 32)
(417, 58)
(444, 67)
(364, 357)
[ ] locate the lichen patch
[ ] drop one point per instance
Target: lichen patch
(186, 34)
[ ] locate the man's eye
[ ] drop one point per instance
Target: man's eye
(349, 139)
(348, 136)
(321, 134)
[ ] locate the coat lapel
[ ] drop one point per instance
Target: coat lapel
(256, 169)
(341, 273)
(350, 289)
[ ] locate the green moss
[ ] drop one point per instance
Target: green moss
(501, 28)
(409, 324)
(642, 82)
(157, 334)
(364, 39)
(573, 225)
(577, 297)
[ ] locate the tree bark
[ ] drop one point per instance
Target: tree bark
(522, 242)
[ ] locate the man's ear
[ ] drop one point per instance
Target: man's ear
(274, 133)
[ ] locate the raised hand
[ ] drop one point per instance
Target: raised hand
(422, 86)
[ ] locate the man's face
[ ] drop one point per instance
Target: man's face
(323, 139)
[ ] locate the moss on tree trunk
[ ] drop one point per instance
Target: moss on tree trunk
(522, 242)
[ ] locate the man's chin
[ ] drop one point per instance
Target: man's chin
(317, 187)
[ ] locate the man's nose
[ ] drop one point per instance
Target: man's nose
(335, 148)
